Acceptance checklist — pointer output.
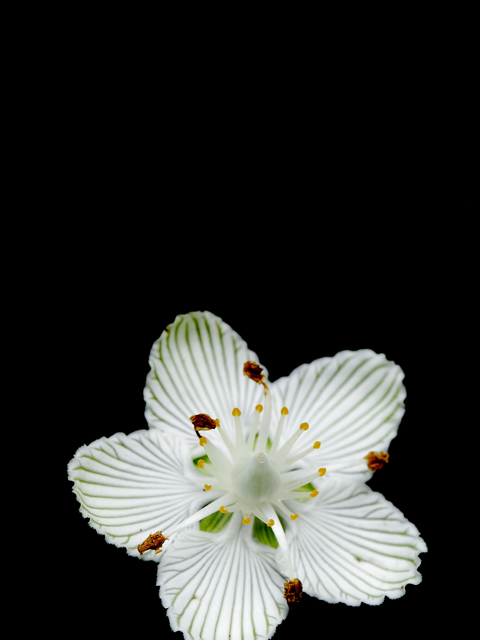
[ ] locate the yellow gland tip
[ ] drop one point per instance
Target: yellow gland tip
(217, 422)
(236, 412)
(316, 445)
(314, 493)
(271, 523)
(223, 510)
(304, 426)
(284, 411)
(207, 487)
(201, 463)
(259, 408)
(322, 471)
(203, 441)
(246, 520)
(294, 517)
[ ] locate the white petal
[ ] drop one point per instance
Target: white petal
(353, 403)
(222, 586)
(131, 486)
(197, 367)
(354, 546)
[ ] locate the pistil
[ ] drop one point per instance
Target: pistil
(248, 478)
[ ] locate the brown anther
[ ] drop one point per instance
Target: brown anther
(254, 372)
(154, 541)
(203, 422)
(376, 460)
(292, 592)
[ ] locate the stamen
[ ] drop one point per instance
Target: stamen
(154, 541)
(302, 454)
(203, 441)
(263, 432)
(246, 520)
(294, 479)
(314, 493)
(270, 523)
(223, 510)
(227, 499)
(226, 439)
(291, 441)
(376, 460)
(282, 541)
(316, 445)
(217, 458)
(284, 509)
(322, 471)
(296, 495)
(239, 438)
(253, 430)
(260, 515)
(207, 487)
(283, 414)
(201, 463)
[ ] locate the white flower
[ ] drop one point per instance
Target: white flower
(235, 482)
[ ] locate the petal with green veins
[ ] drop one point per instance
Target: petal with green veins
(197, 367)
(354, 546)
(353, 403)
(131, 486)
(223, 586)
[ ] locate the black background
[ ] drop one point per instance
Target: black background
(294, 291)
(319, 208)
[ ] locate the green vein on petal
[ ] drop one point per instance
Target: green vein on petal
(197, 367)
(215, 522)
(265, 534)
(201, 470)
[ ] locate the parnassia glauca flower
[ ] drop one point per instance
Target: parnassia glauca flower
(248, 492)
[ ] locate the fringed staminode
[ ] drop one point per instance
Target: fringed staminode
(292, 592)
(154, 541)
(254, 372)
(203, 422)
(376, 460)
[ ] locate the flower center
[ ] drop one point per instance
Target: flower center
(248, 480)
(255, 478)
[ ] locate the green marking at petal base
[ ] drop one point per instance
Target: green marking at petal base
(306, 487)
(265, 534)
(268, 446)
(215, 522)
(199, 469)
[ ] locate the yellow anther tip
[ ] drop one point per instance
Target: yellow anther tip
(202, 441)
(246, 520)
(294, 517)
(270, 523)
(207, 487)
(201, 463)
(259, 408)
(223, 510)
(284, 411)
(314, 493)
(304, 426)
(316, 445)
(322, 471)
(236, 412)
(217, 422)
